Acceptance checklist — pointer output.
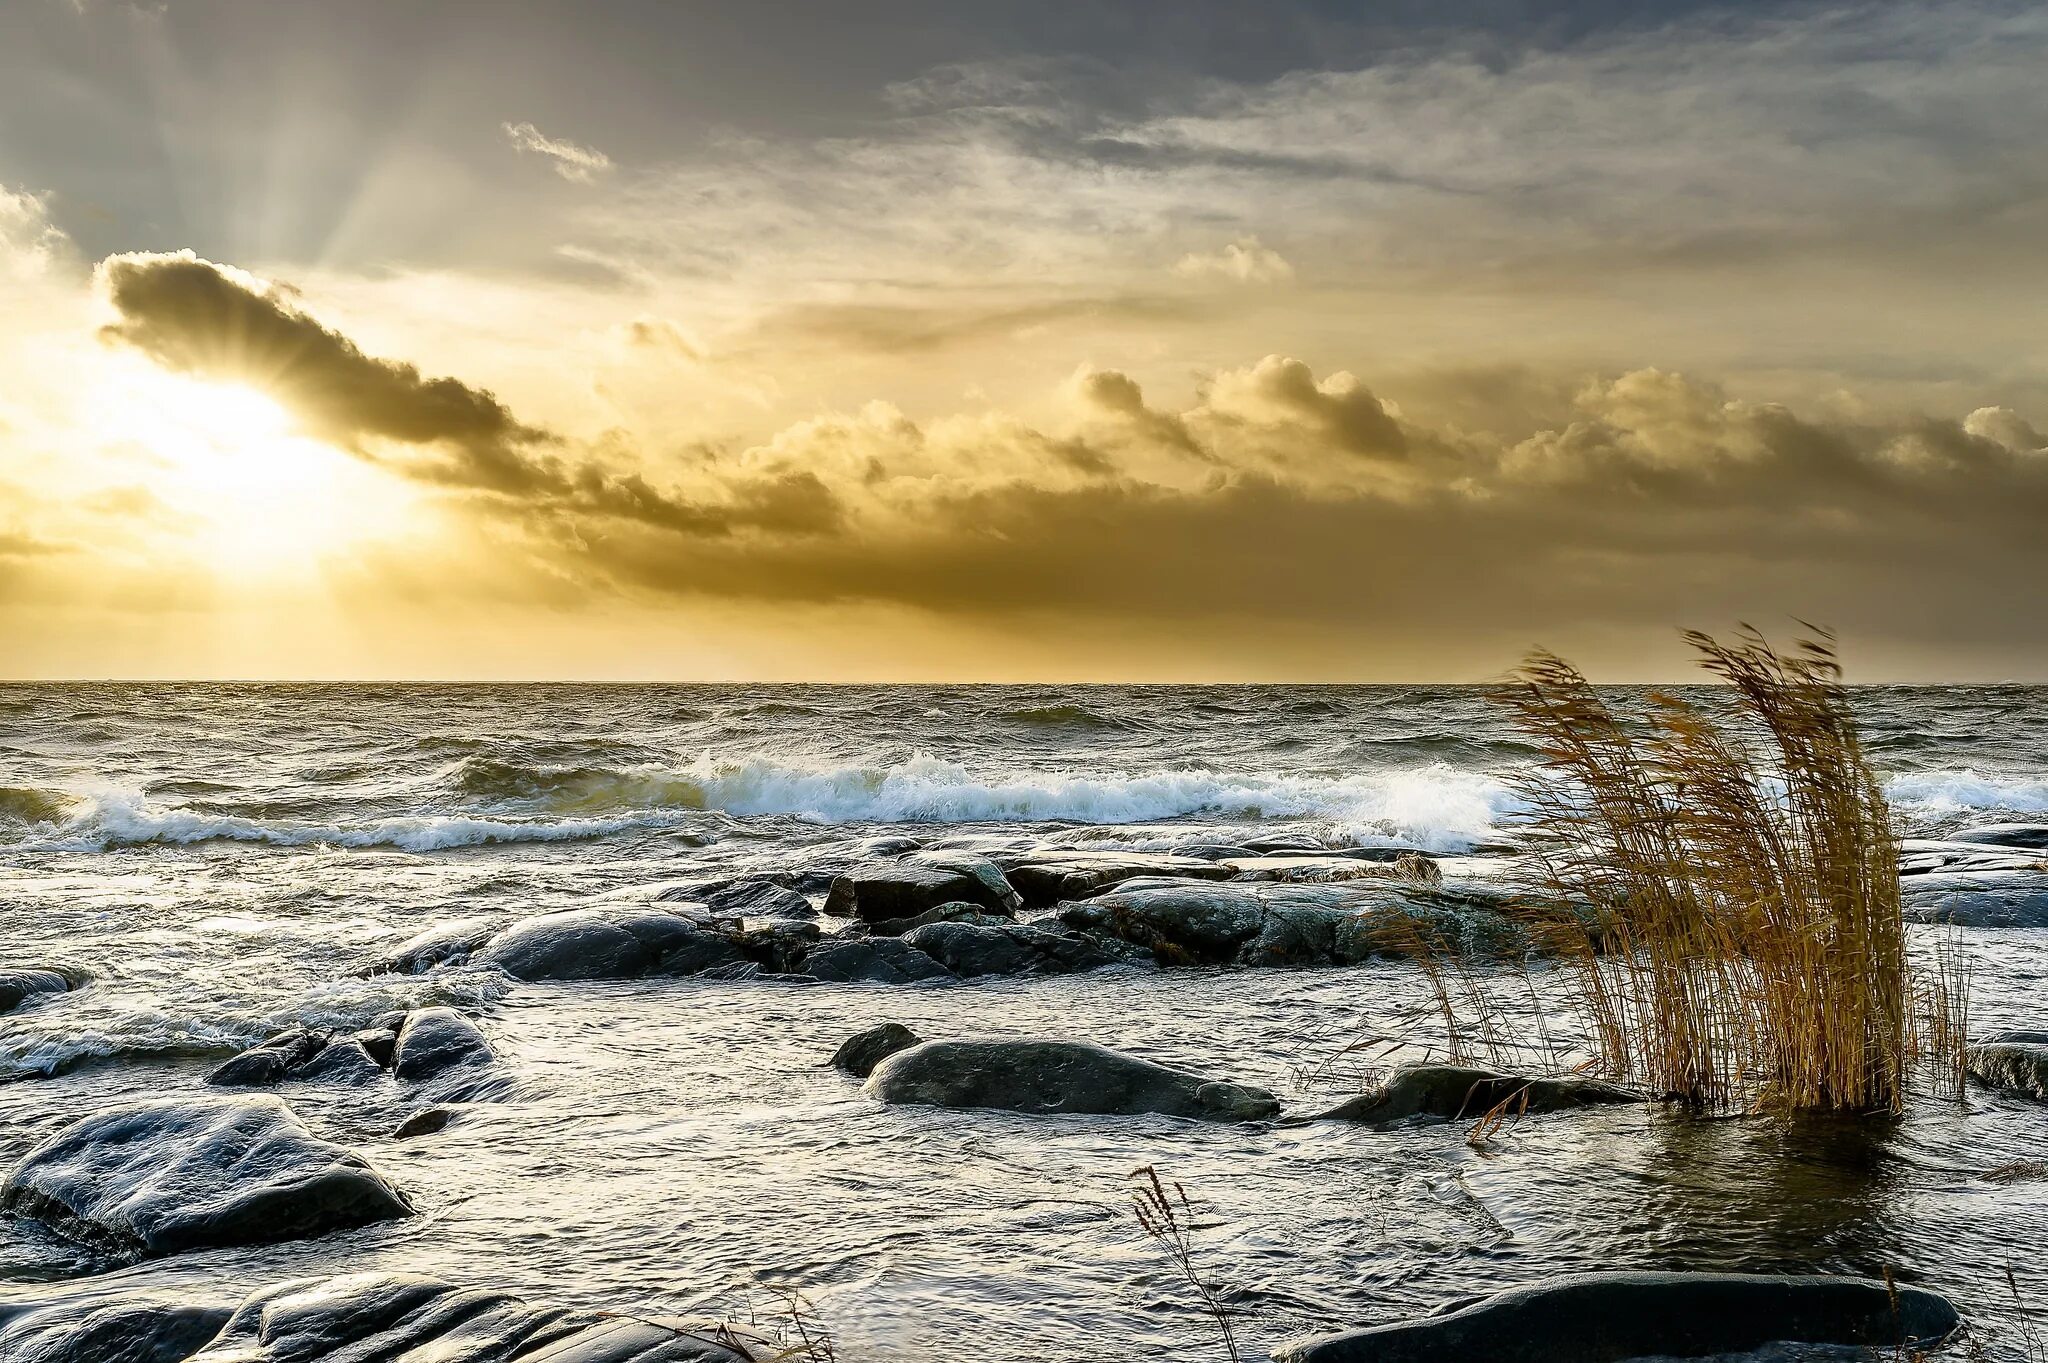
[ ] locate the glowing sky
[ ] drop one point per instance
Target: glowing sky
(966, 340)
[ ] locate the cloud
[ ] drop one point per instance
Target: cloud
(30, 244)
(1246, 261)
(572, 161)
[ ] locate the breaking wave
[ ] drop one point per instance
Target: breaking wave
(1937, 792)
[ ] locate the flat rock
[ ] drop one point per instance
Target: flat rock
(1452, 1092)
(389, 1317)
(2012, 1062)
(759, 897)
(860, 1053)
(1607, 1317)
(100, 1328)
(1045, 878)
(873, 960)
(609, 944)
(158, 1177)
(2027, 835)
(969, 949)
(880, 891)
(1040, 1076)
(1256, 923)
(19, 984)
(1977, 898)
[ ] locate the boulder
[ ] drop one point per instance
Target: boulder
(2012, 1062)
(20, 984)
(874, 960)
(342, 1061)
(589, 944)
(1258, 923)
(759, 897)
(881, 891)
(780, 946)
(860, 1053)
(271, 1062)
(435, 1040)
(158, 1177)
(1451, 1092)
(1607, 1317)
(1013, 949)
(442, 944)
(943, 913)
(375, 1316)
(426, 1122)
(98, 1328)
(1058, 1076)
(1045, 878)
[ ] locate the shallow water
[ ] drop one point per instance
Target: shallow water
(226, 857)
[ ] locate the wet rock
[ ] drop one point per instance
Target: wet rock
(1255, 923)
(2025, 835)
(1607, 1317)
(380, 1038)
(19, 985)
(1978, 898)
(426, 1122)
(1045, 878)
(881, 891)
(436, 1040)
(1012, 949)
(371, 1316)
(97, 1328)
(860, 1053)
(1451, 1092)
(1058, 1076)
(588, 944)
(175, 1174)
(442, 944)
(2012, 1062)
(271, 1062)
(943, 913)
(759, 898)
(345, 1061)
(778, 947)
(875, 960)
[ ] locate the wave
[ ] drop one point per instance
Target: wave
(26, 804)
(1063, 717)
(1951, 791)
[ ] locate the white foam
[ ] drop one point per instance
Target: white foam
(1936, 792)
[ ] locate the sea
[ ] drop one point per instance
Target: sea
(225, 860)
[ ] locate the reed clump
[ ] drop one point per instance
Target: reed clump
(1723, 895)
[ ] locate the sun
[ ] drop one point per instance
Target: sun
(255, 498)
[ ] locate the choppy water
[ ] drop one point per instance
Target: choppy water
(226, 857)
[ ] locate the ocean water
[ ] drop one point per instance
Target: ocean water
(227, 858)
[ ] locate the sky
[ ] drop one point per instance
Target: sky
(977, 341)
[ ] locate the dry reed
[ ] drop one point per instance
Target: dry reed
(1160, 1213)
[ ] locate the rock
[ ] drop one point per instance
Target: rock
(881, 891)
(778, 946)
(1606, 1317)
(158, 1177)
(1451, 1092)
(426, 1122)
(1978, 898)
(1046, 878)
(271, 1062)
(1013, 949)
(96, 1328)
(1058, 1076)
(442, 944)
(373, 1316)
(18, 986)
(759, 898)
(944, 913)
(2027, 835)
(2012, 1062)
(380, 1038)
(345, 1061)
(435, 1040)
(1257, 923)
(860, 1053)
(877, 960)
(587, 944)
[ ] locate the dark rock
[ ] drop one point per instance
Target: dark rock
(1058, 1076)
(271, 1062)
(2013, 1062)
(1451, 1092)
(435, 1040)
(380, 1040)
(1607, 1317)
(1978, 898)
(943, 913)
(159, 1177)
(878, 960)
(759, 898)
(442, 944)
(392, 1317)
(18, 986)
(1047, 878)
(881, 891)
(860, 1053)
(585, 944)
(97, 1328)
(344, 1061)
(426, 1122)
(779, 946)
(2027, 835)
(1012, 949)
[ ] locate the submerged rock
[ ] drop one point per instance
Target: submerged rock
(375, 1316)
(175, 1174)
(759, 897)
(442, 944)
(1233, 922)
(2012, 1062)
(414, 1047)
(19, 985)
(588, 944)
(881, 891)
(873, 960)
(1451, 1092)
(2005, 897)
(1607, 1317)
(1045, 878)
(96, 1328)
(1013, 949)
(1058, 1076)
(860, 1053)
